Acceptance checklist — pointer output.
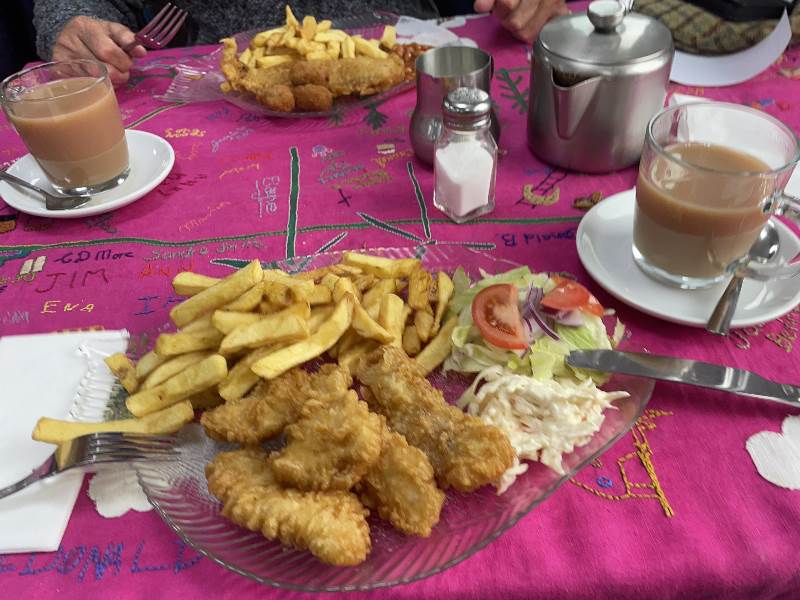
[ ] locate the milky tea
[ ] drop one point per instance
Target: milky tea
(693, 215)
(72, 127)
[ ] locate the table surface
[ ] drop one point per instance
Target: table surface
(675, 509)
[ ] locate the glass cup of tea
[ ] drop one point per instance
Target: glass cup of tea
(709, 178)
(67, 115)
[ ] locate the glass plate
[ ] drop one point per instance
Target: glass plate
(200, 80)
(469, 522)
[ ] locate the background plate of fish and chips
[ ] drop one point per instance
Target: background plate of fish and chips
(246, 68)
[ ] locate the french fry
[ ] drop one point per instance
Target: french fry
(245, 57)
(196, 378)
(324, 25)
(247, 301)
(300, 289)
(439, 347)
(348, 48)
(187, 283)
(423, 323)
(200, 324)
(319, 315)
(277, 293)
(226, 320)
(240, 378)
(366, 327)
(344, 286)
(334, 50)
(308, 28)
(364, 282)
(170, 344)
(172, 367)
(260, 39)
(392, 317)
(323, 339)
(411, 341)
(444, 291)
(420, 283)
(124, 370)
(379, 290)
(291, 20)
(273, 60)
(227, 290)
(288, 325)
(380, 266)
(389, 37)
(163, 422)
(334, 35)
(364, 47)
(147, 363)
(320, 294)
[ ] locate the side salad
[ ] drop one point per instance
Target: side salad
(514, 330)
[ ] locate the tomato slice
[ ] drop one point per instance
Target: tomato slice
(569, 295)
(495, 311)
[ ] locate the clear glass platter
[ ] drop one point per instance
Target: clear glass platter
(469, 522)
(199, 80)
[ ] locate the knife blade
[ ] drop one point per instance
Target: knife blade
(692, 372)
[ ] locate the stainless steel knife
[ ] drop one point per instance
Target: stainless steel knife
(680, 370)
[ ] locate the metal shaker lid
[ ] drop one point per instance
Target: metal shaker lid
(466, 108)
(606, 35)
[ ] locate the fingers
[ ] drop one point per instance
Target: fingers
(483, 6)
(527, 19)
(125, 39)
(98, 39)
(503, 9)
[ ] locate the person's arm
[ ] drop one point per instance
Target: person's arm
(523, 18)
(96, 29)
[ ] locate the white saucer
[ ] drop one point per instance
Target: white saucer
(151, 160)
(604, 242)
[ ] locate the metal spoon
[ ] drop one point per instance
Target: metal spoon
(762, 250)
(51, 201)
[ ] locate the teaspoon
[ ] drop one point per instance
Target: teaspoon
(762, 250)
(51, 201)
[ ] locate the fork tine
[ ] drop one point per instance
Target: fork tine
(165, 23)
(167, 37)
(147, 29)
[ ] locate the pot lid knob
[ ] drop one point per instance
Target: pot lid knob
(607, 15)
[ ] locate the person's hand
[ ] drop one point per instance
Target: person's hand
(523, 18)
(85, 37)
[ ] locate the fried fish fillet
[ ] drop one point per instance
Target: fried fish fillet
(401, 487)
(272, 405)
(331, 446)
(361, 75)
(465, 452)
(331, 525)
(312, 98)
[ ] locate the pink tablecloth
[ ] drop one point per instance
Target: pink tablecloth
(697, 523)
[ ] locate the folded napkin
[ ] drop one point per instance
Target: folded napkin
(42, 376)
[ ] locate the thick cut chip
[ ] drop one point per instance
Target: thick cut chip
(380, 266)
(163, 422)
(217, 295)
(444, 291)
(123, 369)
(170, 344)
(423, 321)
(228, 320)
(439, 347)
(392, 317)
(147, 363)
(320, 341)
(172, 367)
(420, 283)
(198, 377)
(240, 378)
(187, 283)
(288, 325)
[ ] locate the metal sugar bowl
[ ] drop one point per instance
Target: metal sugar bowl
(439, 72)
(596, 80)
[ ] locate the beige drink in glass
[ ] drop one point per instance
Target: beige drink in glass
(709, 177)
(67, 115)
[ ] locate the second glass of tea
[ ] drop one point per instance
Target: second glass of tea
(709, 178)
(67, 115)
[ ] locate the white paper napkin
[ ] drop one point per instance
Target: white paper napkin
(41, 375)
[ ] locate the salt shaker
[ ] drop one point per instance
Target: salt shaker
(465, 156)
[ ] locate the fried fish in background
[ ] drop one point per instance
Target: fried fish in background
(465, 452)
(331, 446)
(312, 98)
(273, 405)
(401, 487)
(331, 525)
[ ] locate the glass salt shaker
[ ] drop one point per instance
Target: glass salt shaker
(465, 156)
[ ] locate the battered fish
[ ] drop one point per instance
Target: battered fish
(401, 487)
(331, 446)
(361, 75)
(331, 525)
(465, 452)
(272, 405)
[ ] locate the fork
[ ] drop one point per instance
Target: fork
(98, 449)
(160, 31)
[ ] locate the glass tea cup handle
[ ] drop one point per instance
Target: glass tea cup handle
(788, 206)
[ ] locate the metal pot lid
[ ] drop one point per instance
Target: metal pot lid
(609, 37)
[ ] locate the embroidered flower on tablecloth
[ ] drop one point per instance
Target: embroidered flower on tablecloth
(777, 455)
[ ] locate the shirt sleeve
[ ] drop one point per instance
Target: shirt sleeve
(50, 16)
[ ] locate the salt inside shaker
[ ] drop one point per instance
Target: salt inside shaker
(465, 156)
